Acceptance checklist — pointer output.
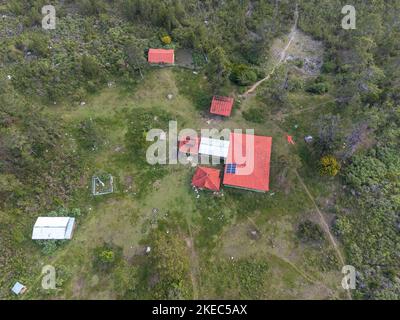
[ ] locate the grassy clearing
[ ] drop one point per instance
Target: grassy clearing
(215, 229)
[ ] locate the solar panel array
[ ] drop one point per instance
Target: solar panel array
(231, 168)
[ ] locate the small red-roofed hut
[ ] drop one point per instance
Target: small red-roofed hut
(207, 178)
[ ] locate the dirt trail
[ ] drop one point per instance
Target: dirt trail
(194, 263)
(292, 265)
(282, 56)
(323, 221)
(324, 225)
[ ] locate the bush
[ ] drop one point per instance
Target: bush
(106, 257)
(166, 39)
(328, 67)
(90, 67)
(92, 7)
(256, 115)
(299, 63)
(48, 247)
(243, 75)
(318, 88)
(39, 45)
(329, 166)
(309, 232)
(295, 84)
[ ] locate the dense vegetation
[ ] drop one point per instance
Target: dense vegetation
(45, 160)
(362, 62)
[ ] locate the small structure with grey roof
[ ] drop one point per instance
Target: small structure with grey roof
(18, 288)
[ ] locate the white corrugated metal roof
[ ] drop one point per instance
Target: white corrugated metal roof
(52, 221)
(18, 288)
(214, 147)
(53, 228)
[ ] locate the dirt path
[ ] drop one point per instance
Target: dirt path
(324, 225)
(194, 263)
(297, 112)
(292, 265)
(323, 221)
(282, 56)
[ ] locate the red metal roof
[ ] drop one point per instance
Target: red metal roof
(162, 56)
(207, 178)
(222, 106)
(189, 145)
(248, 162)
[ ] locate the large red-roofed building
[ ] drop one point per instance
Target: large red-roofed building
(222, 106)
(207, 178)
(248, 163)
(162, 56)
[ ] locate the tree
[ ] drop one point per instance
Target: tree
(134, 51)
(329, 134)
(218, 67)
(243, 75)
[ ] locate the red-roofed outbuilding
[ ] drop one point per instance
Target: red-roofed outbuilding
(222, 106)
(207, 178)
(162, 56)
(248, 163)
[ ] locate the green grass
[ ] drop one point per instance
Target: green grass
(217, 226)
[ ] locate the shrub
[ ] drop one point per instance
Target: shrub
(328, 67)
(255, 115)
(295, 84)
(243, 75)
(106, 257)
(310, 232)
(39, 45)
(90, 67)
(92, 7)
(48, 247)
(329, 166)
(318, 88)
(299, 63)
(166, 39)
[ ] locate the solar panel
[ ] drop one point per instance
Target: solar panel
(231, 168)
